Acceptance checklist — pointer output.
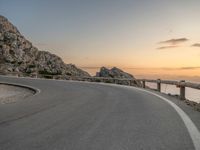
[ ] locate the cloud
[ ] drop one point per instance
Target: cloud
(189, 68)
(166, 47)
(174, 41)
(182, 68)
(166, 68)
(196, 45)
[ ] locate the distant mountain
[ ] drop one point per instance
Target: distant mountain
(114, 73)
(18, 55)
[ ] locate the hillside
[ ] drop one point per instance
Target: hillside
(18, 55)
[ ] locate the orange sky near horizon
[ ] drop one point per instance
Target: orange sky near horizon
(191, 72)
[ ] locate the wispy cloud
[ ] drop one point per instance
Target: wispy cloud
(196, 45)
(189, 68)
(183, 68)
(174, 41)
(166, 47)
(146, 68)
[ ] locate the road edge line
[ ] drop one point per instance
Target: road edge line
(191, 127)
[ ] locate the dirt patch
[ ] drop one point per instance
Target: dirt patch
(11, 94)
(193, 104)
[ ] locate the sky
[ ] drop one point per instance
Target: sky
(163, 35)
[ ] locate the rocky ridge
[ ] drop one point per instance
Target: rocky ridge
(18, 55)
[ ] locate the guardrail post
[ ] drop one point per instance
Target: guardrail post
(143, 84)
(182, 90)
(158, 85)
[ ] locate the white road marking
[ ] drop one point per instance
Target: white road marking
(192, 129)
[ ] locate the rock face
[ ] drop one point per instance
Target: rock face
(18, 55)
(74, 71)
(113, 73)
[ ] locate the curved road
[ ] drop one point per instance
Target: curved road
(82, 116)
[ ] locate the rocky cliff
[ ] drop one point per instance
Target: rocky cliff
(18, 55)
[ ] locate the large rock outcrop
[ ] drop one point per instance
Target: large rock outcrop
(116, 73)
(113, 73)
(18, 55)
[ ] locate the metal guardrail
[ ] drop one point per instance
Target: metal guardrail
(179, 84)
(142, 83)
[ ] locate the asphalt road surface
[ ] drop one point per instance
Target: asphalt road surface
(69, 115)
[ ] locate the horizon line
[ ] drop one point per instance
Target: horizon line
(162, 68)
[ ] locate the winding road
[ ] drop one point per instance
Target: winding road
(68, 115)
